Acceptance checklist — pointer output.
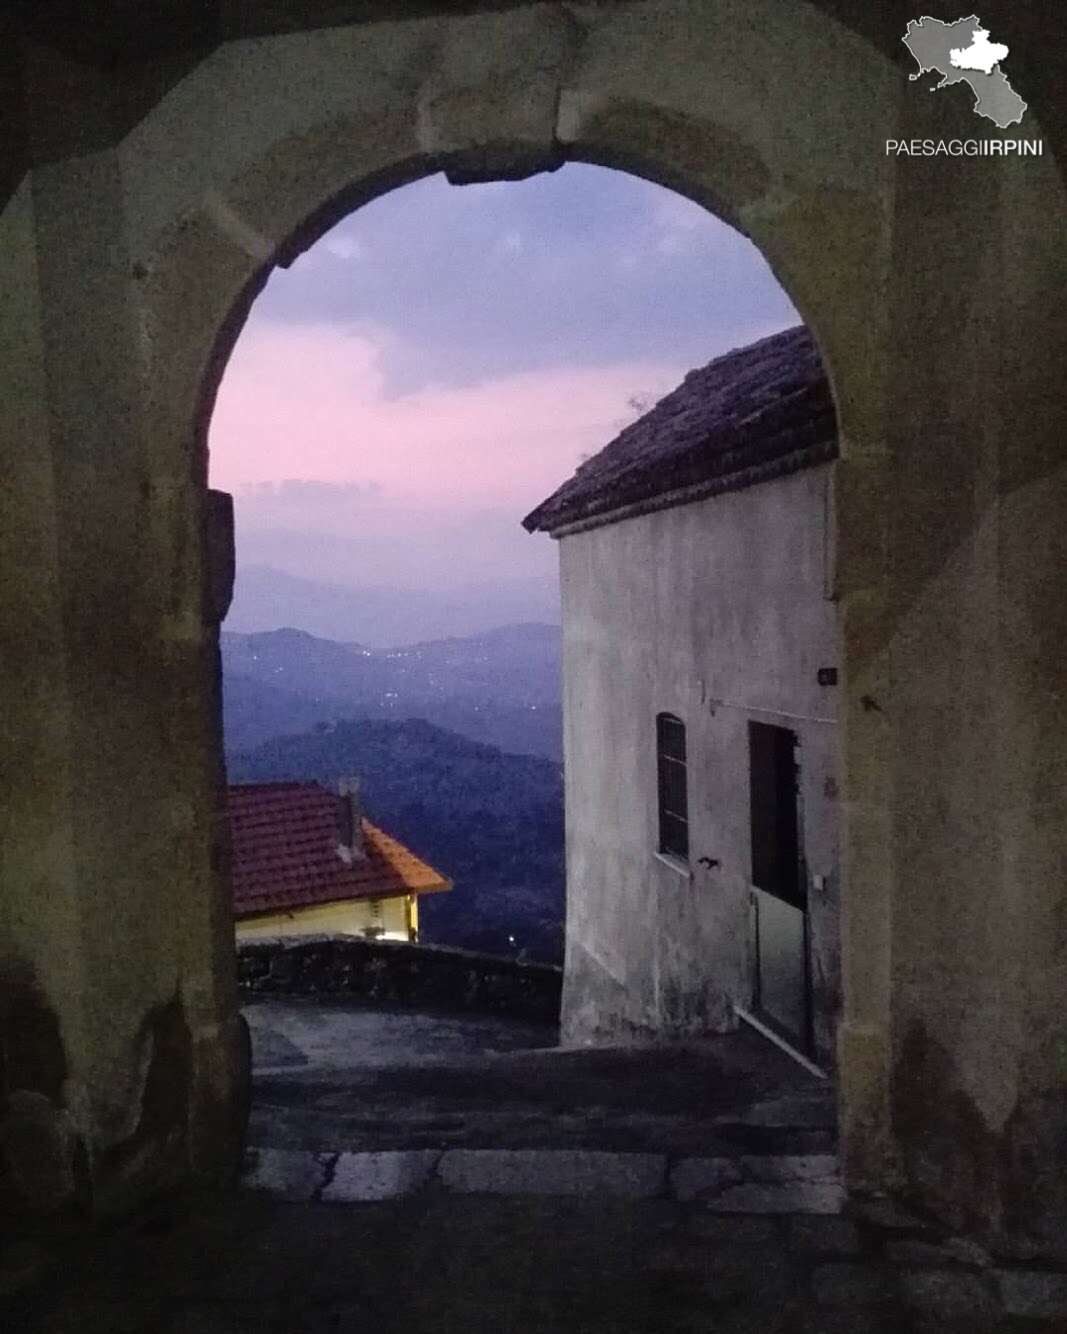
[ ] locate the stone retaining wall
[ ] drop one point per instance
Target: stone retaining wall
(389, 972)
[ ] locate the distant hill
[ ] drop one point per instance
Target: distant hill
(502, 687)
(383, 617)
(491, 821)
(254, 711)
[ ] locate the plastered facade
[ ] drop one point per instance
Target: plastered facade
(391, 919)
(719, 612)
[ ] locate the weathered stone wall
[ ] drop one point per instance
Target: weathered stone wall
(720, 612)
(161, 194)
(385, 972)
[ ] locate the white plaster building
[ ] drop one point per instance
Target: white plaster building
(700, 665)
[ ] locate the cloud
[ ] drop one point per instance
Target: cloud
(342, 245)
(445, 357)
(677, 213)
(580, 267)
(511, 243)
(390, 544)
(310, 402)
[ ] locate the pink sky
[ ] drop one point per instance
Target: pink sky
(308, 401)
(443, 360)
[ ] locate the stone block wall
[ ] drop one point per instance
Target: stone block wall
(386, 972)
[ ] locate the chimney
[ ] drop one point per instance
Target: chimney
(350, 821)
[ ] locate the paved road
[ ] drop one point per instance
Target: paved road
(331, 1077)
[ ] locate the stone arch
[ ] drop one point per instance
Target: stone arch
(492, 98)
(268, 140)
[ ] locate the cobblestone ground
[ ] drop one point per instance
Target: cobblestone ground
(512, 1265)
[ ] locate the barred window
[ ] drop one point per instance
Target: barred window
(673, 791)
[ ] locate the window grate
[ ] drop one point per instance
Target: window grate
(673, 786)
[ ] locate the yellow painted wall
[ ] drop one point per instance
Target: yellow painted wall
(350, 917)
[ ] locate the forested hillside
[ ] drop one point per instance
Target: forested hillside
(502, 687)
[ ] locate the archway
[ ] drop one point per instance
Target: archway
(291, 192)
(250, 155)
(303, 391)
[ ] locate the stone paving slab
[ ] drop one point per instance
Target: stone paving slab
(553, 1172)
(948, 1294)
(774, 1184)
(283, 1172)
(1032, 1294)
(807, 1197)
(358, 1177)
(852, 1284)
(825, 1237)
(780, 1184)
(781, 1168)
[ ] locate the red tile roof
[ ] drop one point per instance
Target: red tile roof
(285, 839)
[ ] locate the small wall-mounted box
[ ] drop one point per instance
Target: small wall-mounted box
(826, 676)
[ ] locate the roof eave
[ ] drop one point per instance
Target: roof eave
(582, 518)
(397, 892)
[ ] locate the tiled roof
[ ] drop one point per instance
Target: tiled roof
(753, 414)
(285, 839)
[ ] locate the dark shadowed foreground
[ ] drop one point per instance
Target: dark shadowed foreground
(458, 1174)
(455, 1264)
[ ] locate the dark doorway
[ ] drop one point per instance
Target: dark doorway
(779, 894)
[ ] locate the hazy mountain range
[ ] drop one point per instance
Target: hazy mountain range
(502, 687)
(458, 745)
(381, 617)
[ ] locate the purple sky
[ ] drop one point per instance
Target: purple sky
(444, 358)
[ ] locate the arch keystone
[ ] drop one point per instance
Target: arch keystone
(490, 104)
